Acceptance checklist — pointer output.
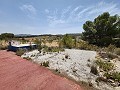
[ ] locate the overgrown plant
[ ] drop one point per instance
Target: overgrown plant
(94, 70)
(104, 65)
(117, 51)
(45, 64)
(20, 52)
(113, 75)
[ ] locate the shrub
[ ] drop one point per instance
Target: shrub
(20, 52)
(45, 64)
(106, 66)
(67, 41)
(111, 48)
(117, 51)
(3, 47)
(66, 56)
(94, 70)
(114, 76)
(86, 46)
(108, 55)
(111, 55)
(98, 79)
(56, 70)
(52, 49)
(27, 58)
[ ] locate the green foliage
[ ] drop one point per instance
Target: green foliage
(20, 52)
(86, 46)
(39, 46)
(98, 79)
(102, 30)
(106, 66)
(27, 58)
(94, 70)
(111, 56)
(113, 75)
(5, 36)
(111, 48)
(52, 49)
(45, 64)
(67, 41)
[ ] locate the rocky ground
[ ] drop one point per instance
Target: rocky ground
(73, 63)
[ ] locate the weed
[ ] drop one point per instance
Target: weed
(20, 52)
(45, 64)
(106, 66)
(94, 70)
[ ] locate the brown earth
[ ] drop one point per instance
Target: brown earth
(19, 74)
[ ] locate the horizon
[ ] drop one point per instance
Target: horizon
(51, 17)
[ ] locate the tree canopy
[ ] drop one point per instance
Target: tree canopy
(103, 30)
(67, 41)
(6, 36)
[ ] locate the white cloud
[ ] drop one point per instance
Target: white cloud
(80, 14)
(29, 9)
(65, 11)
(47, 11)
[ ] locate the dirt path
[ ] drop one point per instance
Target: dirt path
(19, 74)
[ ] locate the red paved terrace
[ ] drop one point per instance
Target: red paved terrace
(19, 74)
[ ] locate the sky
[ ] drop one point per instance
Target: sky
(51, 16)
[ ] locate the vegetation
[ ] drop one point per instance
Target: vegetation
(27, 58)
(86, 46)
(52, 49)
(113, 75)
(66, 56)
(20, 52)
(111, 48)
(104, 65)
(3, 47)
(117, 51)
(39, 46)
(98, 79)
(45, 64)
(94, 70)
(103, 30)
(6, 36)
(67, 41)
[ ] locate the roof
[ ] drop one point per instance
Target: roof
(22, 45)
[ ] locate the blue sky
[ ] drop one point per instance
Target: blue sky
(51, 16)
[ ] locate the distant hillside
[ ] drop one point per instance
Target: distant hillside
(29, 35)
(25, 35)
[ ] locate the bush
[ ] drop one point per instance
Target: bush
(52, 49)
(3, 47)
(66, 56)
(106, 66)
(94, 70)
(111, 48)
(114, 76)
(45, 64)
(27, 58)
(86, 46)
(98, 79)
(108, 55)
(111, 55)
(67, 41)
(117, 51)
(20, 52)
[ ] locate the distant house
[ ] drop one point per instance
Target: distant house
(15, 47)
